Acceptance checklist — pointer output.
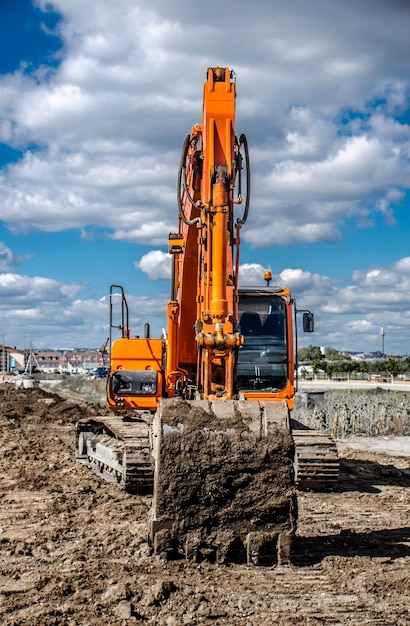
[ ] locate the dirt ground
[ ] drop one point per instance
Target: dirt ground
(73, 548)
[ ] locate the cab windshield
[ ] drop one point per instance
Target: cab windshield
(262, 360)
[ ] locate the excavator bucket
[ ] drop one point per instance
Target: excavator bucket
(223, 482)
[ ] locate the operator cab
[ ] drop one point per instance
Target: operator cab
(263, 359)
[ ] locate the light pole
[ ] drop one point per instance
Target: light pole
(382, 334)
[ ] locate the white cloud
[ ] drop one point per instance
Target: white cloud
(8, 260)
(321, 92)
(156, 264)
(359, 326)
(403, 265)
(111, 117)
(350, 315)
(48, 313)
(38, 289)
(300, 280)
(347, 316)
(251, 274)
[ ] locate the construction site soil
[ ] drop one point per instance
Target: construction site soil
(73, 548)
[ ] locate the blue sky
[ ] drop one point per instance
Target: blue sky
(95, 100)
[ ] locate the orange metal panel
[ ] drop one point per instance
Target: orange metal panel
(137, 354)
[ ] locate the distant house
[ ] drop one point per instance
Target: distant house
(47, 360)
(11, 359)
(82, 361)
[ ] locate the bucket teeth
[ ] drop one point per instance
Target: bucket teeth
(255, 548)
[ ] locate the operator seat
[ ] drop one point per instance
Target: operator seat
(250, 324)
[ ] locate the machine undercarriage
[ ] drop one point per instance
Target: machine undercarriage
(223, 474)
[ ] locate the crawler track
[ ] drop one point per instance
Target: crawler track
(316, 461)
(118, 449)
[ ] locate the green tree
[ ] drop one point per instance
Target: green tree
(331, 368)
(392, 366)
(315, 366)
(333, 355)
(364, 367)
(309, 353)
(303, 374)
(405, 366)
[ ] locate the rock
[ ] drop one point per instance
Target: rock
(123, 610)
(115, 593)
(158, 593)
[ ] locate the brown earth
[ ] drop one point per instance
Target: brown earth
(73, 548)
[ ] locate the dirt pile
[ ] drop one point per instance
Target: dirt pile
(223, 492)
(73, 548)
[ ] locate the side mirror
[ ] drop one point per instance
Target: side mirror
(308, 322)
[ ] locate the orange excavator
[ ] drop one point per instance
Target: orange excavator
(201, 417)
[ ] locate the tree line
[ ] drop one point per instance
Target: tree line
(334, 361)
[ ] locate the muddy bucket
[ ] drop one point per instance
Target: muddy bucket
(223, 484)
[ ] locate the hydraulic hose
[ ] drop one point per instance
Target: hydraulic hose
(181, 184)
(244, 142)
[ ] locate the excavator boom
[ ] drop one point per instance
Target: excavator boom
(205, 250)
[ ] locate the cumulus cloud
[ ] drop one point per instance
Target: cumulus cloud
(403, 265)
(156, 264)
(28, 306)
(353, 314)
(251, 274)
(8, 260)
(310, 199)
(36, 289)
(100, 135)
(346, 315)
(323, 90)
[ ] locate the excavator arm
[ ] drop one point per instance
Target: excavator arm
(203, 332)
